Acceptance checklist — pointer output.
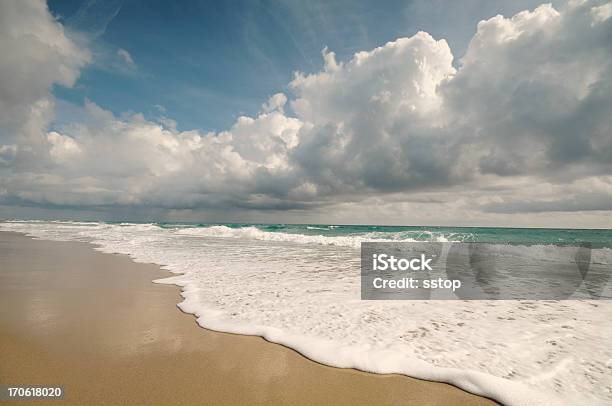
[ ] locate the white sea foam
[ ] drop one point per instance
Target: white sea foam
(253, 233)
(303, 291)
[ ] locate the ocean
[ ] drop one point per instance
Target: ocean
(299, 285)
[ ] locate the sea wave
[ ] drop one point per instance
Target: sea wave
(255, 233)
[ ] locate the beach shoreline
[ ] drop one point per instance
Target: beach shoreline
(96, 324)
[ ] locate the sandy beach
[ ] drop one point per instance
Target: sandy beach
(96, 324)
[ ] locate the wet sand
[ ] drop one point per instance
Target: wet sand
(96, 324)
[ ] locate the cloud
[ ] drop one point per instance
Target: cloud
(601, 13)
(517, 124)
(94, 16)
(377, 121)
(126, 58)
(106, 160)
(36, 53)
(585, 194)
(107, 57)
(534, 90)
(87, 27)
(276, 102)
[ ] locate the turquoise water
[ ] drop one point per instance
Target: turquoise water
(597, 238)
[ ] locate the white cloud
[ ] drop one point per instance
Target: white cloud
(126, 58)
(36, 53)
(376, 119)
(601, 13)
(521, 123)
(535, 91)
(276, 102)
(63, 149)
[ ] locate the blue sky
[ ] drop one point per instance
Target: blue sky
(476, 112)
(208, 62)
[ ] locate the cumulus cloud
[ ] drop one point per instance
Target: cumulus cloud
(377, 121)
(36, 54)
(276, 102)
(535, 91)
(521, 122)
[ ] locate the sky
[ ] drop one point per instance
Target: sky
(396, 112)
(205, 63)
